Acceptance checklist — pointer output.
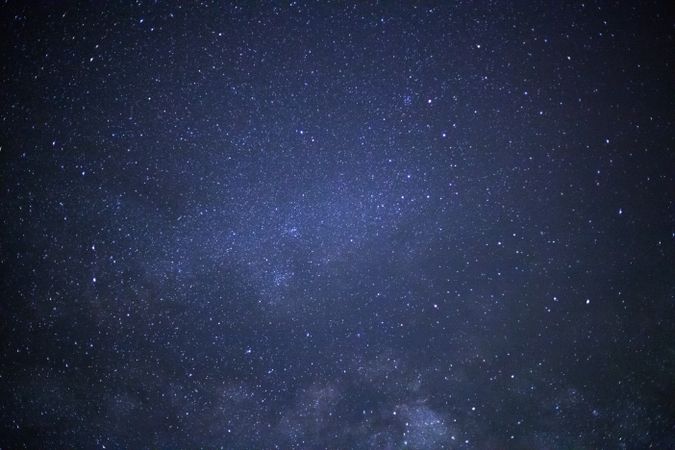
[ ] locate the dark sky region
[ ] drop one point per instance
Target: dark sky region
(337, 225)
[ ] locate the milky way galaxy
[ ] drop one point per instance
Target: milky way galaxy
(309, 225)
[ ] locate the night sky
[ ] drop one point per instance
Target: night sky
(314, 225)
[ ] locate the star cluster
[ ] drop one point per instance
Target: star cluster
(334, 225)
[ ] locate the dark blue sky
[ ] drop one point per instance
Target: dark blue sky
(331, 225)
